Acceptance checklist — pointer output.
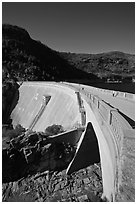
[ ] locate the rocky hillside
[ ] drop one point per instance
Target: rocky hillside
(34, 166)
(108, 66)
(84, 185)
(26, 59)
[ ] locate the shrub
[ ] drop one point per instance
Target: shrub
(54, 130)
(12, 133)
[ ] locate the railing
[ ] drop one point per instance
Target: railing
(118, 94)
(81, 109)
(108, 114)
(112, 121)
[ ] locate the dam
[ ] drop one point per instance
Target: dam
(87, 114)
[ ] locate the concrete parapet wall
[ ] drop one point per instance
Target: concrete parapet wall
(106, 147)
(113, 126)
(118, 94)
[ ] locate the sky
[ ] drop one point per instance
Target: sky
(78, 27)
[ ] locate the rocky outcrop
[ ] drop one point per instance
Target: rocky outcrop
(36, 152)
(27, 59)
(34, 169)
(84, 185)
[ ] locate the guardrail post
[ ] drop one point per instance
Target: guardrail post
(110, 115)
(83, 117)
(93, 99)
(98, 102)
(80, 101)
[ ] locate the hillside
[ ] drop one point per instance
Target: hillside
(26, 59)
(108, 66)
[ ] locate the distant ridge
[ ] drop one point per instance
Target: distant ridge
(114, 65)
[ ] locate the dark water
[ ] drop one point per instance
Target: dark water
(124, 87)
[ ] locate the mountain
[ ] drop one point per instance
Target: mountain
(112, 65)
(26, 59)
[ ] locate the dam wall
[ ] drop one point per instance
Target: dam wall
(62, 108)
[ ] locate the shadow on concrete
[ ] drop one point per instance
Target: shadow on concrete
(128, 87)
(88, 151)
(53, 153)
(130, 121)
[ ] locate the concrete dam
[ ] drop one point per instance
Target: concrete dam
(93, 119)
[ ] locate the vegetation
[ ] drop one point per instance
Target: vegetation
(11, 132)
(111, 66)
(54, 130)
(28, 154)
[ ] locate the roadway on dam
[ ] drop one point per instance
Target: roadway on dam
(124, 105)
(127, 107)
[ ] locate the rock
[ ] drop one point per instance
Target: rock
(64, 194)
(86, 181)
(43, 165)
(57, 187)
(83, 198)
(15, 187)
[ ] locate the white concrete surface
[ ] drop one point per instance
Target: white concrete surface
(62, 108)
